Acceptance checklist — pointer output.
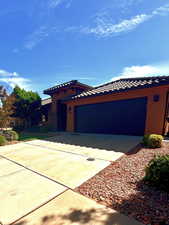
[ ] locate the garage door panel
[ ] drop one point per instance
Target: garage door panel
(117, 117)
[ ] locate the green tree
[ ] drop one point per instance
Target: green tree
(6, 108)
(27, 106)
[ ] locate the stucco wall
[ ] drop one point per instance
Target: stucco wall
(62, 93)
(155, 120)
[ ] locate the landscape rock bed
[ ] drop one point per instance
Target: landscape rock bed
(120, 186)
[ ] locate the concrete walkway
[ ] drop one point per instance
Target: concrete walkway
(22, 191)
(73, 208)
(37, 181)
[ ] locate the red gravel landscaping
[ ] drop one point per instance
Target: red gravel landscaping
(120, 187)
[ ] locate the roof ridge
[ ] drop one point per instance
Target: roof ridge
(143, 78)
(61, 85)
(111, 82)
(132, 78)
(125, 84)
(64, 85)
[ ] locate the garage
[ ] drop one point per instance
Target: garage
(116, 117)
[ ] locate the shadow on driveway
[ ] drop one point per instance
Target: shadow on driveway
(119, 143)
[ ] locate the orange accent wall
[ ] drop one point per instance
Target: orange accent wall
(155, 119)
(61, 93)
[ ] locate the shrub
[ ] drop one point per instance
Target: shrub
(157, 172)
(145, 139)
(11, 135)
(152, 140)
(15, 135)
(2, 140)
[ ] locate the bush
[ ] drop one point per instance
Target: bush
(15, 135)
(157, 172)
(145, 139)
(2, 140)
(11, 135)
(152, 140)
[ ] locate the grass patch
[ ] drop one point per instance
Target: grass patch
(26, 136)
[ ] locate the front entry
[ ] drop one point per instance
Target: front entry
(62, 116)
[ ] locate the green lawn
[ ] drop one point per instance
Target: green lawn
(28, 136)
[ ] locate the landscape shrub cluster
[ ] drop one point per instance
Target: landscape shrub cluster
(8, 135)
(152, 140)
(157, 172)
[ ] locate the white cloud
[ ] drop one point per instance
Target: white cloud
(55, 3)
(38, 35)
(143, 71)
(105, 26)
(5, 73)
(125, 3)
(163, 10)
(13, 79)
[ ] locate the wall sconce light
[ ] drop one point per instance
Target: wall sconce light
(156, 98)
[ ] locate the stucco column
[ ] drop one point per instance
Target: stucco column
(156, 113)
(70, 118)
(52, 122)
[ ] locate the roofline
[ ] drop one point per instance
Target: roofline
(143, 78)
(88, 86)
(117, 91)
(54, 88)
(131, 78)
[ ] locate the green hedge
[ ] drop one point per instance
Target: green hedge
(152, 140)
(157, 173)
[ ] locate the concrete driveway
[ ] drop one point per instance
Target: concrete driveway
(99, 146)
(37, 181)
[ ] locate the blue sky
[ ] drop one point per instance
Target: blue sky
(46, 42)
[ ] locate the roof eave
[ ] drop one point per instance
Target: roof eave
(118, 91)
(50, 92)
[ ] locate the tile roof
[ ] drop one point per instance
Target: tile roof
(124, 85)
(50, 90)
(66, 84)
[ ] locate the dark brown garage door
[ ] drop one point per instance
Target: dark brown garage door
(116, 117)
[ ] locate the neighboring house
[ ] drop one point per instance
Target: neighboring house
(45, 109)
(133, 106)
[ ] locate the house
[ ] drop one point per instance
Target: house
(133, 106)
(56, 112)
(45, 109)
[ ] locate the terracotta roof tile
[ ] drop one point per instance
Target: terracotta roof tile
(66, 84)
(125, 85)
(49, 90)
